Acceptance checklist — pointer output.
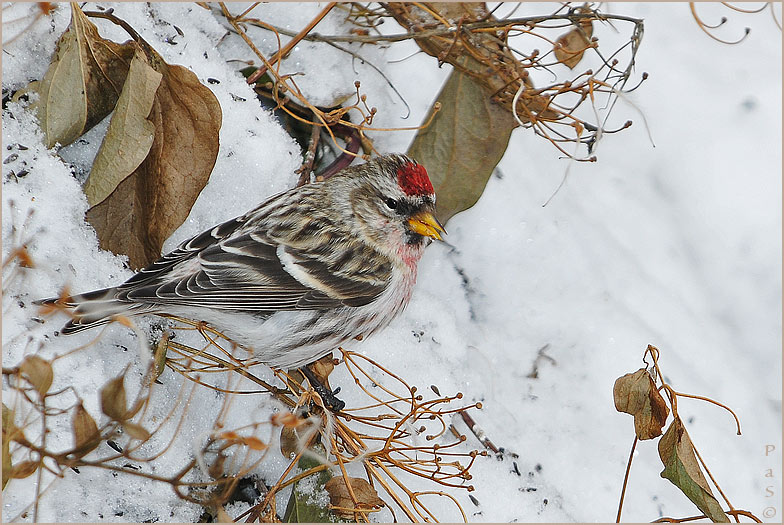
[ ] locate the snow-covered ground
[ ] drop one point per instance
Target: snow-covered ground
(677, 245)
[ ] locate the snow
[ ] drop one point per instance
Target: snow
(677, 245)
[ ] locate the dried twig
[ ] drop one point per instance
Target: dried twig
(290, 45)
(478, 432)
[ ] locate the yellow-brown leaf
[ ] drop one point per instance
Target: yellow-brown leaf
(136, 431)
(113, 400)
(682, 469)
(130, 134)
(24, 469)
(322, 368)
(340, 497)
(85, 431)
(38, 372)
(570, 46)
(159, 356)
(83, 81)
(636, 394)
(9, 428)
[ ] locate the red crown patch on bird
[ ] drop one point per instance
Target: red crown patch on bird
(413, 180)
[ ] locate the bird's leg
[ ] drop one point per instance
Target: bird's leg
(331, 402)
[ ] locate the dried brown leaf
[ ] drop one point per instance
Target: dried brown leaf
(340, 498)
(130, 134)
(85, 431)
(9, 428)
(290, 442)
(135, 408)
(23, 469)
(286, 419)
(322, 368)
(463, 144)
(146, 207)
(249, 441)
(682, 469)
(159, 356)
(216, 468)
(229, 435)
(113, 400)
(11, 432)
(136, 431)
(38, 372)
(254, 443)
(636, 394)
(83, 81)
(294, 435)
(570, 47)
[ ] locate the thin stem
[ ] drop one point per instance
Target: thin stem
(293, 42)
(115, 20)
(626, 480)
(709, 400)
(494, 25)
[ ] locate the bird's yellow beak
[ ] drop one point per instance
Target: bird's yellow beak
(425, 223)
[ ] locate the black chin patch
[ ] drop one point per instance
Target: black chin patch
(414, 238)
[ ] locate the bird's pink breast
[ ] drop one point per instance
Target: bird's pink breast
(410, 254)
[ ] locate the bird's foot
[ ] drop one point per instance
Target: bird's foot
(328, 396)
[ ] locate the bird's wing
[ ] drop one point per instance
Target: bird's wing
(353, 275)
(247, 271)
(186, 250)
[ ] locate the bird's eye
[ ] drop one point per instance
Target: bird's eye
(391, 204)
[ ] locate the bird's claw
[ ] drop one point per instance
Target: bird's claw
(328, 396)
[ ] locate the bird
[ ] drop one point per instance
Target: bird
(296, 277)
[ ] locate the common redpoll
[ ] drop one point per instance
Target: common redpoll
(299, 275)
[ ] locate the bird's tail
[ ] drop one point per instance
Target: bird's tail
(90, 309)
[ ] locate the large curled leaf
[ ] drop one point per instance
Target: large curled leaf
(147, 206)
(682, 469)
(463, 144)
(636, 394)
(130, 134)
(83, 81)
